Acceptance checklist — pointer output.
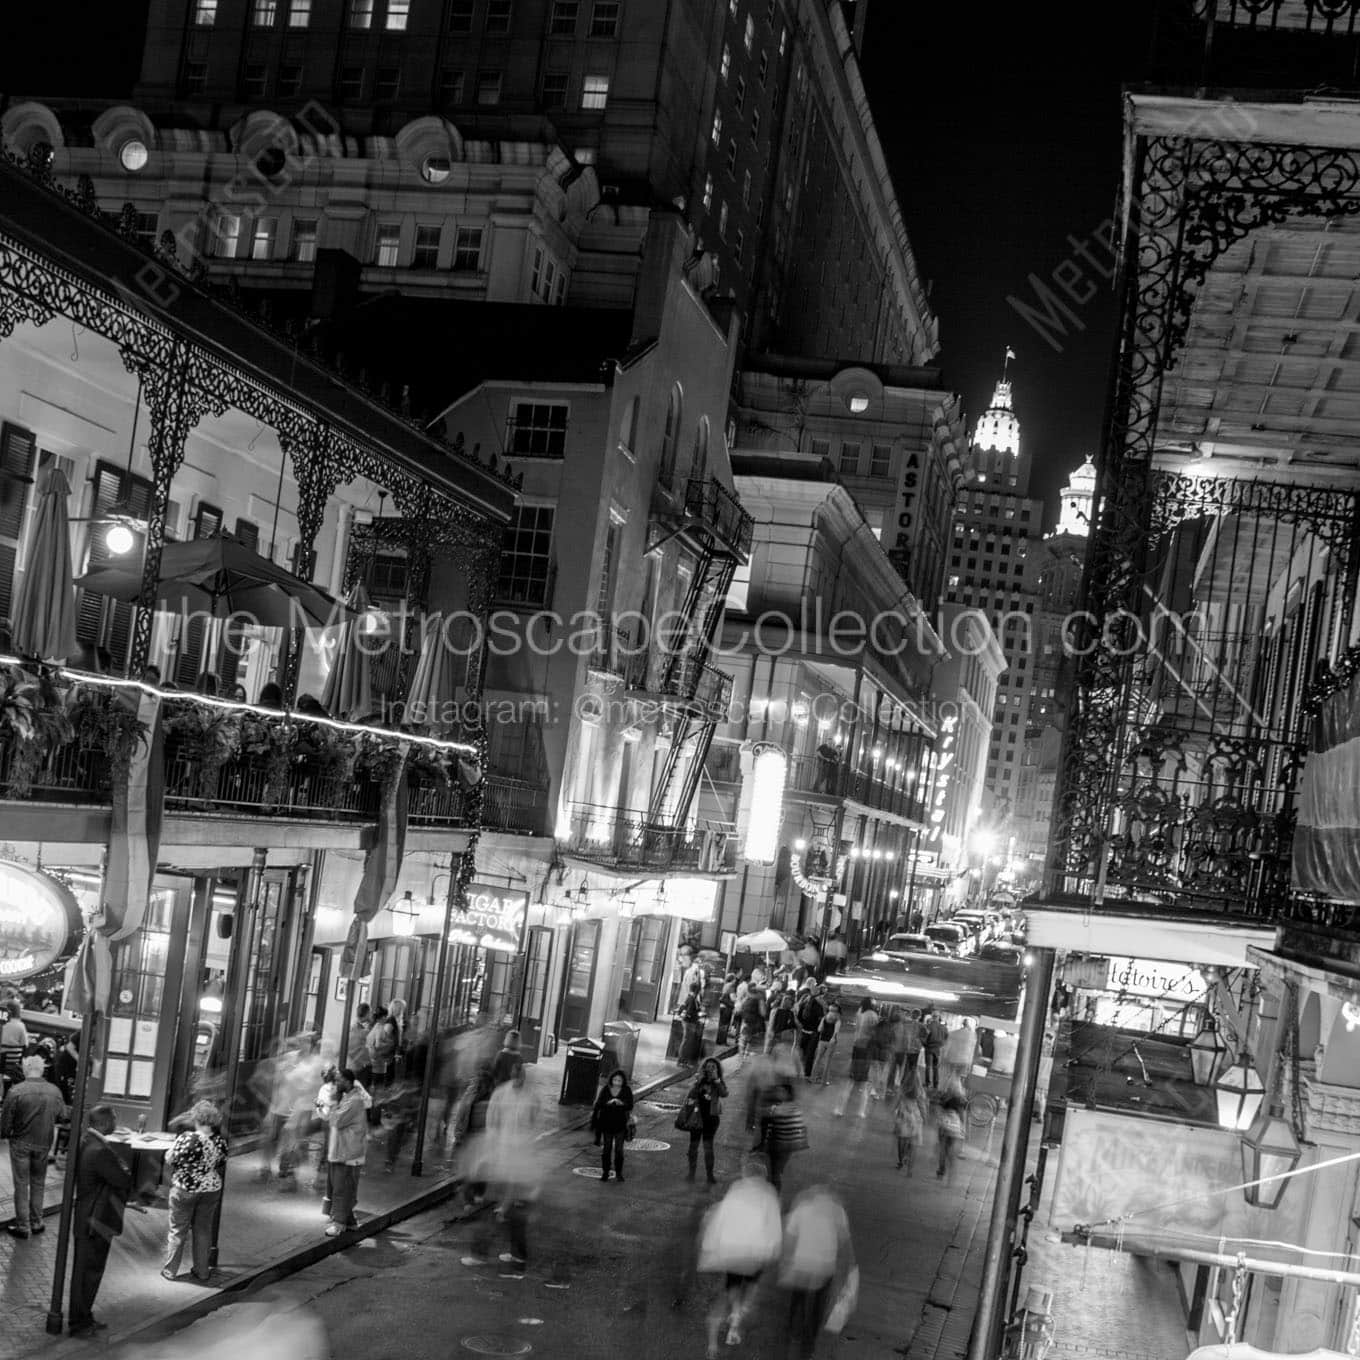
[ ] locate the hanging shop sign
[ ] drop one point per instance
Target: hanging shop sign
(39, 921)
(1148, 977)
(494, 918)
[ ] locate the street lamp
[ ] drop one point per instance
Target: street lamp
(404, 915)
(1207, 1050)
(1239, 1091)
(1270, 1151)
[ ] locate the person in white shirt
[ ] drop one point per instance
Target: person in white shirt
(816, 1252)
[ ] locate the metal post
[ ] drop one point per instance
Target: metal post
(990, 1317)
(68, 1180)
(432, 1047)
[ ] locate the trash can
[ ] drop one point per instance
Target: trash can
(581, 1072)
(620, 1047)
(676, 1039)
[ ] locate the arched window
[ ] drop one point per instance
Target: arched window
(628, 430)
(670, 441)
(698, 468)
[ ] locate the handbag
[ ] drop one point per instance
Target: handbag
(691, 1118)
(846, 1299)
(788, 1129)
(630, 1130)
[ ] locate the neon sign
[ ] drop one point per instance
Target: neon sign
(38, 921)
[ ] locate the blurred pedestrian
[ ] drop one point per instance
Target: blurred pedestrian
(816, 1253)
(301, 1080)
(382, 1049)
(513, 1165)
(808, 1014)
(346, 1147)
(752, 1023)
(958, 1051)
(782, 1026)
(880, 1055)
(692, 1034)
(356, 1046)
(909, 1118)
(933, 1035)
(196, 1157)
(102, 1182)
(741, 1236)
(865, 1022)
(610, 1118)
(727, 1004)
(270, 1084)
(508, 1061)
(785, 1128)
(949, 1126)
(827, 1034)
(708, 1094)
(28, 1118)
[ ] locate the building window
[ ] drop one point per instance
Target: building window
(604, 19)
(628, 430)
(146, 224)
(726, 67)
(498, 16)
(205, 13)
(488, 87)
(227, 236)
(290, 81)
(195, 77)
(538, 429)
(388, 83)
(748, 38)
(755, 125)
(732, 156)
(849, 464)
(708, 192)
(559, 292)
(262, 238)
(398, 12)
(554, 89)
(670, 437)
(389, 244)
(304, 240)
(821, 448)
(739, 94)
(426, 252)
(460, 16)
(722, 221)
(450, 87)
(595, 92)
(299, 13)
(256, 76)
(263, 13)
(467, 250)
(352, 84)
(746, 188)
(739, 246)
(526, 556)
(564, 16)
(361, 13)
(717, 127)
(763, 70)
(880, 459)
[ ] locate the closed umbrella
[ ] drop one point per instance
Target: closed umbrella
(349, 686)
(44, 620)
(433, 691)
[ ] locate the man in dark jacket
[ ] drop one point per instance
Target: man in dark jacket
(102, 1181)
(28, 1119)
(809, 1015)
(508, 1061)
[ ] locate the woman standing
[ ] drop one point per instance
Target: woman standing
(197, 1156)
(909, 1118)
(707, 1094)
(783, 1026)
(727, 1003)
(826, 1044)
(953, 1104)
(752, 1023)
(610, 1119)
(866, 1022)
(692, 1018)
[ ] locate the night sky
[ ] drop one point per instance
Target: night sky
(1001, 124)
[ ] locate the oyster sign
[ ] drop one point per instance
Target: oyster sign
(38, 921)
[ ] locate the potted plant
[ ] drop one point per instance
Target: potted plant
(33, 724)
(107, 725)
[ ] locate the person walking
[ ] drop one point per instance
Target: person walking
(727, 1004)
(508, 1061)
(513, 1165)
(785, 1129)
(782, 1029)
(102, 1182)
(808, 1015)
(880, 1054)
(708, 1094)
(933, 1035)
(741, 1236)
(346, 1146)
(752, 1024)
(196, 1156)
(897, 1049)
(909, 1118)
(949, 1128)
(866, 1022)
(382, 1052)
(827, 1033)
(610, 1118)
(960, 1045)
(28, 1118)
(816, 1252)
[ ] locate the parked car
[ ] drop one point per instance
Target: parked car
(996, 952)
(975, 921)
(955, 939)
(908, 943)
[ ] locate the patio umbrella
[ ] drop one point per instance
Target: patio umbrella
(433, 690)
(220, 577)
(349, 686)
(765, 941)
(44, 621)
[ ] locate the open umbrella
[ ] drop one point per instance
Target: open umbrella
(765, 941)
(220, 577)
(44, 620)
(433, 691)
(349, 686)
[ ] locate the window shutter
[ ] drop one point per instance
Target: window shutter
(207, 520)
(18, 454)
(249, 534)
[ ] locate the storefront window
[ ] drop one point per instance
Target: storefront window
(137, 1005)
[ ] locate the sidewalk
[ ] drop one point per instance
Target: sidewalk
(262, 1228)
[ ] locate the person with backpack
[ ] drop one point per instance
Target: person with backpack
(933, 1034)
(950, 1129)
(809, 1014)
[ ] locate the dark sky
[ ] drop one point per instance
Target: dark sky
(1001, 124)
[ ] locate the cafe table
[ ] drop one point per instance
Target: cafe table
(145, 1153)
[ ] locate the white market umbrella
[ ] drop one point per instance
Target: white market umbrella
(44, 622)
(765, 941)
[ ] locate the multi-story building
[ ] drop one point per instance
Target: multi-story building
(996, 529)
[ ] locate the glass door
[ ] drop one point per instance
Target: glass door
(646, 964)
(573, 1017)
(315, 991)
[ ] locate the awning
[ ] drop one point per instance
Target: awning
(1327, 838)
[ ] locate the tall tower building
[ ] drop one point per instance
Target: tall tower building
(996, 528)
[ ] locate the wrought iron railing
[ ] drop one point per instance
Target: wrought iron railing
(615, 836)
(514, 805)
(885, 792)
(73, 773)
(708, 500)
(684, 677)
(300, 788)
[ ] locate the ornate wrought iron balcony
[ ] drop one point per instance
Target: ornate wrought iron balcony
(884, 791)
(683, 680)
(624, 839)
(514, 805)
(710, 502)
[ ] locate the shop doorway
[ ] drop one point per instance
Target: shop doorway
(573, 1016)
(533, 1001)
(646, 967)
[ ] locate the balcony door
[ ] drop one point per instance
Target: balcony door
(573, 1015)
(646, 966)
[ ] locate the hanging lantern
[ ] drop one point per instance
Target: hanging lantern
(1269, 1149)
(1240, 1092)
(404, 914)
(1207, 1051)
